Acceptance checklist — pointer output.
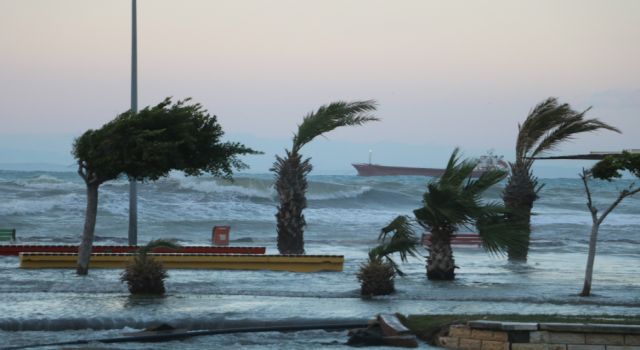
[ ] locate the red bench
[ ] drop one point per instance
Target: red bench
(17, 249)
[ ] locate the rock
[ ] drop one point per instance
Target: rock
(391, 325)
(404, 341)
(387, 330)
(371, 336)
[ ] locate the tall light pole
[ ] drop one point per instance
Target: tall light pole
(133, 193)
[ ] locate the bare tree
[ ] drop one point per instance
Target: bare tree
(605, 169)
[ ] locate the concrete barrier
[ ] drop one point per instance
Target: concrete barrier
(293, 263)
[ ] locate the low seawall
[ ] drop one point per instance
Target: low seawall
(493, 335)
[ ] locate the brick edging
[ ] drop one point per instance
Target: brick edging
(494, 335)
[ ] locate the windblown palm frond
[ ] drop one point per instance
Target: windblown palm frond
(457, 171)
(292, 170)
(403, 242)
(542, 118)
(443, 207)
(498, 234)
(567, 130)
(547, 125)
(455, 199)
(484, 182)
(377, 274)
(332, 116)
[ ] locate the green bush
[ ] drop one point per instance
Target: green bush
(145, 275)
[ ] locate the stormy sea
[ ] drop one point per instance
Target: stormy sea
(344, 217)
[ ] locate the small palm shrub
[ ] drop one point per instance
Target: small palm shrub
(144, 274)
(376, 277)
(377, 274)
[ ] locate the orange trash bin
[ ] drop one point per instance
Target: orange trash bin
(220, 235)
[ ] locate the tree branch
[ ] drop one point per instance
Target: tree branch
(94, 179)
(621, 196)
(82, 170)
(594, 212)
(89, 178)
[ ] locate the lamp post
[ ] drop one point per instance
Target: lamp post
(133, 193)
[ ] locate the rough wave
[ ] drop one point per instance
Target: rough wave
(240, 187)
(264, 189)
(38, 205)
(45, 182)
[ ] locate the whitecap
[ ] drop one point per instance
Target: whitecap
(340, 193)
(13, 206)
(210, 185)
(48, 182)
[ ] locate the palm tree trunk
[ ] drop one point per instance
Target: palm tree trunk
(586, 289)
(519, 195)
(520, 253)
(291, 186)
(290, 229)
(440, 263)
(84, 252)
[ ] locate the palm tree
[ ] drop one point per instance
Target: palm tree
(376, 276)
(146, 275)
(454, 200)
(546, 127)
(292, 170)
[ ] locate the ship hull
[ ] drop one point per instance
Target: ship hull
(383, 170)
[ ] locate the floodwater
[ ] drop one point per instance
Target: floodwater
(344, 216)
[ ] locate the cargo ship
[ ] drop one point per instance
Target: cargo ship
(486, 162)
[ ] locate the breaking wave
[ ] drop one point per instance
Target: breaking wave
(264, 189)
(241, 188)
(43, 182)
(39, 205)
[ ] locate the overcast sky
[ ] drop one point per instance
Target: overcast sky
(445, 73)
